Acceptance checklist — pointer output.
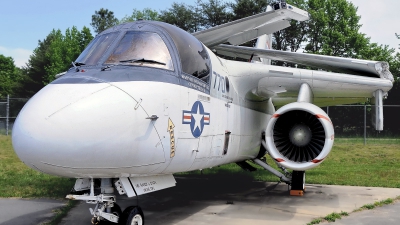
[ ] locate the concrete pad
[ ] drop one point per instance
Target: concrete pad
(27, 211)
(388, 215)
(239, 200)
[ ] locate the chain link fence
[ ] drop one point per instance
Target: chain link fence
(350, 121)
(355, 121)
(9, 109)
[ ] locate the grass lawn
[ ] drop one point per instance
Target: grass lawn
(350, 162)
(376, 164)
(372, 165)
(18, 180)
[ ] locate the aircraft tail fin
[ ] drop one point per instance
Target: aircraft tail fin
(264, 42)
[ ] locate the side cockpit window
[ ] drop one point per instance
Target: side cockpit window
(141, 49)
(96, 49)
(200, 66)
(194, 56)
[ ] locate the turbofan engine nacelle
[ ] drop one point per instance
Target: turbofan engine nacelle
(299, 136)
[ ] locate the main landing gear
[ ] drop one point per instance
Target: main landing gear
(106, 211)
(296, 179)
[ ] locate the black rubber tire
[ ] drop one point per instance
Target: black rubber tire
(298, 180)
(116, 210)
(131, 213)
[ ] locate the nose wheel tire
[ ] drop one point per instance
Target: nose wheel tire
(132, 215)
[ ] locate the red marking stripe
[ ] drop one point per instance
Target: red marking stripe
(187, 117)
(323, 117)
(276, 116)
(279, 160)
(206, 118)
(317, 160)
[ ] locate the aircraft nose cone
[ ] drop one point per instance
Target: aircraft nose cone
(79, 126)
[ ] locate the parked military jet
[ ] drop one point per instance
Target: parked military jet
(146, 100)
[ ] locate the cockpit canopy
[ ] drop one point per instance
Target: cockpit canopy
(144, 43)
(139, 47)
(134, 48)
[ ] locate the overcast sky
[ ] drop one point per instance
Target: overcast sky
(380, 20)
(23, 22)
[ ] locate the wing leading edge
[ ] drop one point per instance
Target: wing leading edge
(258, 82)
(331, 63)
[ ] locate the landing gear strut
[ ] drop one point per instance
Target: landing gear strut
(296, 180)
(101, 209)
(106, 210)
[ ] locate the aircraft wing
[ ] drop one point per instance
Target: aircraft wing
(330, 63)
(249, 28)
(344, 80)
(259, 82)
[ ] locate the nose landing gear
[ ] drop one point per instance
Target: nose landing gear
(105, 213)
(106, 210)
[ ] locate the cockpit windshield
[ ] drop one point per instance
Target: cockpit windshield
(95, 50)
(141, 49)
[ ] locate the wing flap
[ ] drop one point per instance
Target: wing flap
(222, 33)
(331, 63)
(252, 34)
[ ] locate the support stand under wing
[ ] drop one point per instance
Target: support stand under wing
(377, 110)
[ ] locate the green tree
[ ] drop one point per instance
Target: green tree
(191, 18)
(103, 19)
(34, 72)
(184, 16)
(245, 8)
(373, 51)
(9, 76)
(376, 52)
(292, 37)
(84, 37)
(214, 13)
(395, 65)
(64, 49)
(52, 56)
(145, 14)
(334, 29)
(55, 56)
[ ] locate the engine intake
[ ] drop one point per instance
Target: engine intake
(299, 136)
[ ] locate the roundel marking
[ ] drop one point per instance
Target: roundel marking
(197, 118)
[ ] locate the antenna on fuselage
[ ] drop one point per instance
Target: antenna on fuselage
(76, 68)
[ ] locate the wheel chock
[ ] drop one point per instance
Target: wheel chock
(296, 192)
